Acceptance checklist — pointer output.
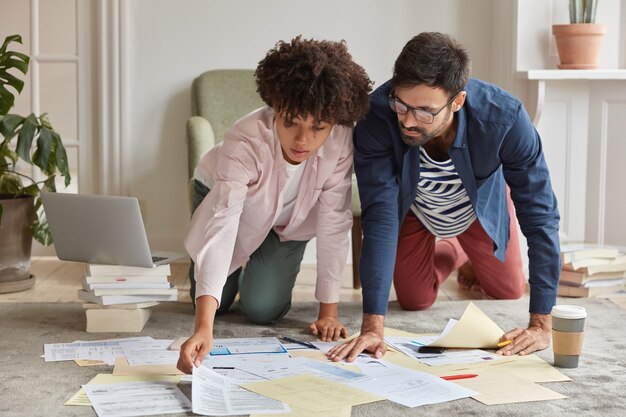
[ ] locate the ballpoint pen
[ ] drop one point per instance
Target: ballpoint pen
(459, 376)
(299, 342)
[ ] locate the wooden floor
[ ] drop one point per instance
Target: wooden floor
(58, 281)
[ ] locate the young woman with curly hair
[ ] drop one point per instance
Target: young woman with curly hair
(281, 176)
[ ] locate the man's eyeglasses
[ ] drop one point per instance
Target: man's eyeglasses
(421, 115)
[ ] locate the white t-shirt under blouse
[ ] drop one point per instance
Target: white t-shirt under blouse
(290, 192)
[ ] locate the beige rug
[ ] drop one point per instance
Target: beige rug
(31, 387)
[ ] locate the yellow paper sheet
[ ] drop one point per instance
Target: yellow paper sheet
(122, 367)
(499, 387)
(80, 398)
(87, 362)
(316, 355)
(531, 368)
(474, 330)
(301, 412)
(311, 393)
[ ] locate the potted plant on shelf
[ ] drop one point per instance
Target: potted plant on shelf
(579, 42)
(21, 211)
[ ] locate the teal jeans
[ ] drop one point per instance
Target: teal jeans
(266, 283)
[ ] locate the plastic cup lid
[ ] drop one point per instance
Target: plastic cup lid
(569, 312)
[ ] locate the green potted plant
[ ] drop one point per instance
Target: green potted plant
(579, 42)
(21, 211)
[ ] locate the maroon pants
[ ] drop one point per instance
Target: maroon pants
(423, 263)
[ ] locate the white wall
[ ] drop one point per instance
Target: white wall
(168, 43)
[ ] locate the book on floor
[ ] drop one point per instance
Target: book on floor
(577, 251)
(123, 299)
(578, 292)
(594, 265)
(93, 270)
(117, 320)
(127, 284)
(597, 283)
(133, 291)
(125, 278)
(581, 277)
(129, 306)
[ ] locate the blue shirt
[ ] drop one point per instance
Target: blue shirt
(495, 144)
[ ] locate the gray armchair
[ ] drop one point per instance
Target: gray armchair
(218, 99)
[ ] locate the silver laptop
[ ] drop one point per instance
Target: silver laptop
(101, 230)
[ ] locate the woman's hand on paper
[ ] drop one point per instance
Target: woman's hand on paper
(327, 325)
(193, 351)
(328, 329)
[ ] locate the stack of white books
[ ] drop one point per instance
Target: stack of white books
(118, 298)
(591, 270)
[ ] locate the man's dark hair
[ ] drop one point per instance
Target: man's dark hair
(434, 59)
(316, 78)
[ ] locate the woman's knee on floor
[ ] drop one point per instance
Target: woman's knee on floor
(260, 311)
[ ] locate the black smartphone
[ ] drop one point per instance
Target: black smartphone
(430, 349)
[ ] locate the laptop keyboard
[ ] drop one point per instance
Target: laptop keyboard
(158, 258)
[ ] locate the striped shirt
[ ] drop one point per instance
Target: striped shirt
(441, 204)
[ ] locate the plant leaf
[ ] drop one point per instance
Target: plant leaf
(8, 40)
(592, 16)
(25, 138)
(10, 79)
(41, 156)
(40, 228)
(41, 231)
(6, 152)
(9, 123)
(5, 96)
(11, 60)
(10, 184)
(31, 190)
(62, 163)
(50, 185)
(21, 64)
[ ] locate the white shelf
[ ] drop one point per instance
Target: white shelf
(558, 74)
(541, 76)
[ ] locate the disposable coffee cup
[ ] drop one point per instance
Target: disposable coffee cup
(568, 323)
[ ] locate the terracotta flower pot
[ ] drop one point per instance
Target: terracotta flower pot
(579, 44)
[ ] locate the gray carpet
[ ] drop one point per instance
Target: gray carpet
(31, 387)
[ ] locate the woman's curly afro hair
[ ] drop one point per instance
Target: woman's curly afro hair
(314, 78)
